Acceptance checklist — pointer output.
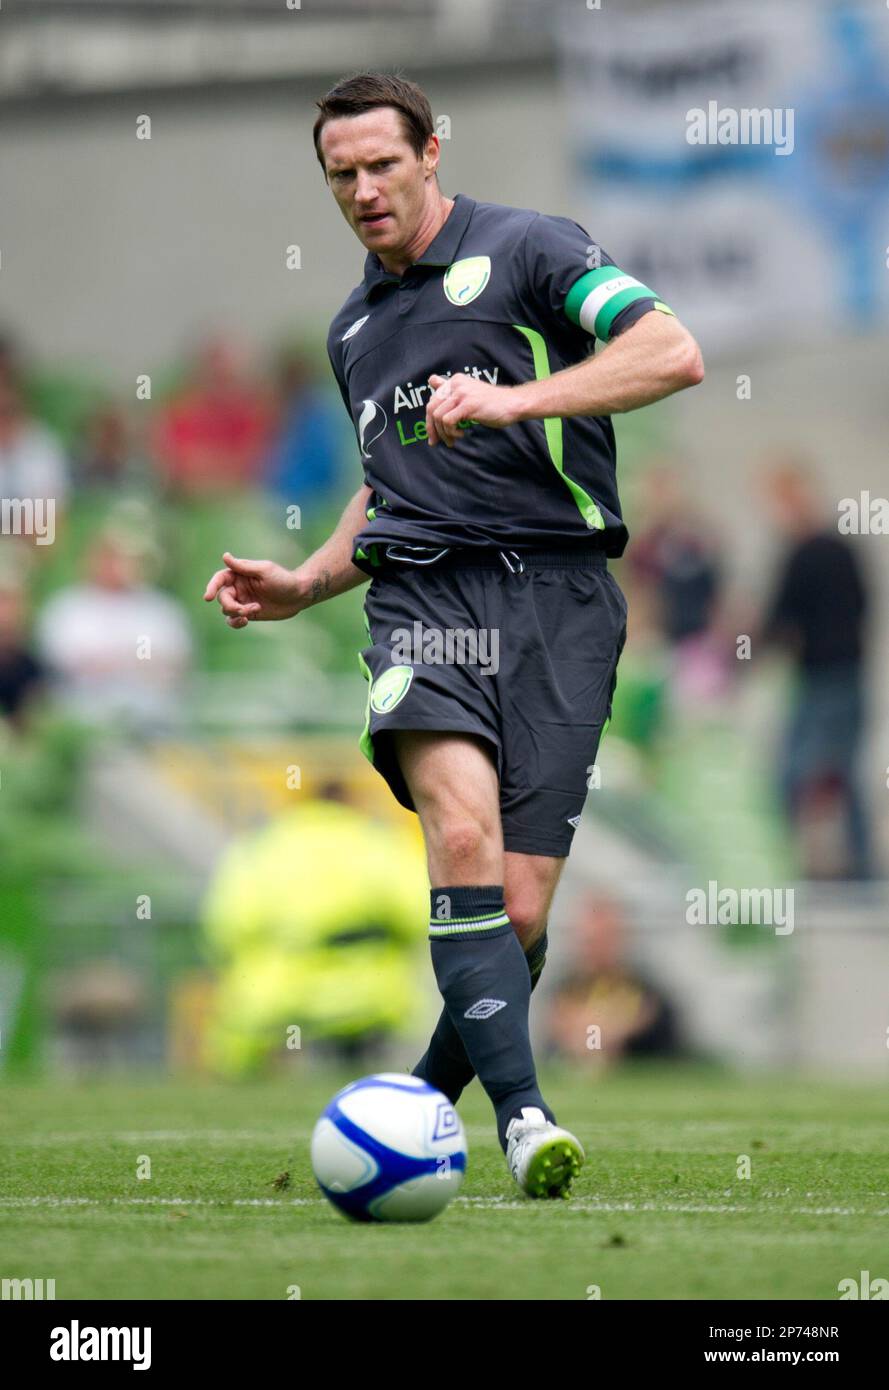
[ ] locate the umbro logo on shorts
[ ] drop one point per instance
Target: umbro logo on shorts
(573, 820)
(484, 1008)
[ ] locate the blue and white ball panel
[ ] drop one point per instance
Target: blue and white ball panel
(389, 1148)
(418, 1199)
(390, 1105)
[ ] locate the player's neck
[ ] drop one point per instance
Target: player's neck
(398, 262)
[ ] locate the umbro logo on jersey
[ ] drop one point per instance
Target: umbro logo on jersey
(573, 820)
(350, 332)
(484, 1008)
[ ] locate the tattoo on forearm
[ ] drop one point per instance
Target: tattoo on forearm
(321, 587)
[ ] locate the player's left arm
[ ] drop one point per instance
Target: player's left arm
(647, 354)
(653, 358)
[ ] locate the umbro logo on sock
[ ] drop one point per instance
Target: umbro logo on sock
(484, 1008)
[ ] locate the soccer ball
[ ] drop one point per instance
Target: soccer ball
(389, 1148)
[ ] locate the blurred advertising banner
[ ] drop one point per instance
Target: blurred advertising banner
(736, 158)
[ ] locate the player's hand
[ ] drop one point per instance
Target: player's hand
(461, 397)
(255, 591)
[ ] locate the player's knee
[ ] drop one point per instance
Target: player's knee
(462, 841)
(528, 922)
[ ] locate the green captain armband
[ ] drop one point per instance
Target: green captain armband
(595, 300)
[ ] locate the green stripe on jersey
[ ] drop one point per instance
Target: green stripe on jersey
(371, 514)
(552, 427)
(595, 300)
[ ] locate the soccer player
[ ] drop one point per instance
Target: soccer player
(466, 359)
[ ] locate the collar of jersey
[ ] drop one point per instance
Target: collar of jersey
(440, 251)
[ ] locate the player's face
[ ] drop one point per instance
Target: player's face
(376, 178)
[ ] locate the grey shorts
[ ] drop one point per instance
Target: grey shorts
(526, 659)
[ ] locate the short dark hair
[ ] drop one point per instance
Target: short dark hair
(366, 91)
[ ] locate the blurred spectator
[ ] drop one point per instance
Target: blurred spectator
(32, 462)
(116, 647)
(675, 558)
(603, 1007)
(303, 463)
(300, 943)
(98, 1008)
(21, 674)
(215, 431)
(675, 554)
(106, 457)
(817, 615)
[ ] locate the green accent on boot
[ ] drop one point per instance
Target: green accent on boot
(553, 1168)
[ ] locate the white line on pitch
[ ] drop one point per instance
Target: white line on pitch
(486, 1203)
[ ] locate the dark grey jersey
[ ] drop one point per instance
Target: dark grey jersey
(507, 295)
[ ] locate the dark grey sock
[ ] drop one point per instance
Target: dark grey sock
(536, 959)
(444, 1064)
(485, 982)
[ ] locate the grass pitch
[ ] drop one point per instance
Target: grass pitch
(658, 1212)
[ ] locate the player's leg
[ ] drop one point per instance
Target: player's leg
(453, 781)
(543, 1158)
(479, 964)
(529, 881)
(562, 630)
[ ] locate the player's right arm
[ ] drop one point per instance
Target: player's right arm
(262, 591)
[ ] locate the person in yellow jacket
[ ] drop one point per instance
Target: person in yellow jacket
(314, 935)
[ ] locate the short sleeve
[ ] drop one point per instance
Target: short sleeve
(340, 379)
(571, 276)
